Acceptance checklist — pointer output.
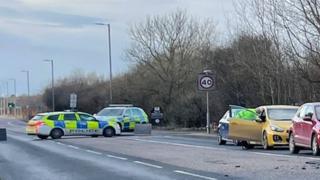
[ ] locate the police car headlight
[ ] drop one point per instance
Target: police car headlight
(276, 128)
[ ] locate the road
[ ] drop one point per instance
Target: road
(163, 155)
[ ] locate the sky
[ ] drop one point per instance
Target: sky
(64, 30)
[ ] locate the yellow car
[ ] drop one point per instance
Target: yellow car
(266, 125)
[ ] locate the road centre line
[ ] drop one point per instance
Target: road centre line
(179, 144)
(117, 157)
(73, 147)
(147, 164)
(93, 152)
(194, 175)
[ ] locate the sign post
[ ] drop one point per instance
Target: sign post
(206, 82)
(73, 101)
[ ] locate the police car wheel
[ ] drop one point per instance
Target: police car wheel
(42, 136)
(56, 134)
(108, 132)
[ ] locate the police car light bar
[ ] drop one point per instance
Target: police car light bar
(120, 105)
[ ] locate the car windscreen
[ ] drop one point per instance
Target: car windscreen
(282, 114)
(110, 112)
(37, 118)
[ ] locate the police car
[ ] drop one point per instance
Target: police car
(58, 124)
(127, 116)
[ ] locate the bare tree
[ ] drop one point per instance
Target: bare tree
(172, 48)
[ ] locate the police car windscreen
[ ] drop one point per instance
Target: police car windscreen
(282, 114)
(37, 117)
(110, 112)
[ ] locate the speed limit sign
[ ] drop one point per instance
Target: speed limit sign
(206, 82)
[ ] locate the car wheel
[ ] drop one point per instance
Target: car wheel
(246, 145)
(108, 132)
(265, 143)
(56, 133)
(220, 140)
(292, 146)
(42, 136)
(94, 136)
(315, 146)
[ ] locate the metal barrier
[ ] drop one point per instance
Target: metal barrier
(3, 134)
(143, 129)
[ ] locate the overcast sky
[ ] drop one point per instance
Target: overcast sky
(64, 30)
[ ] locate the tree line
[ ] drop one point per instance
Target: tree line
(271, 56)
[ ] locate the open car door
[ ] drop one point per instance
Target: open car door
(243, 125)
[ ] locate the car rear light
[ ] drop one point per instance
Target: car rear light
(39, 123)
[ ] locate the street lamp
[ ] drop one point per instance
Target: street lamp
(28, 84)
(7, 85)
(110, 62)
(28, 80)
(6, 98)
(15, 94)
(52, 82)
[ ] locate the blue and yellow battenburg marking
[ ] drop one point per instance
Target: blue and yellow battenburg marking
(76, 126)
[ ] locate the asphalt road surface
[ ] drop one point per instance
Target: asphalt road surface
(164, 155)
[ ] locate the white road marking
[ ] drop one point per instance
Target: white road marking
(61, 143)
(117, 157)
(223, 149)
(179, 144)
(147, 164)
(9, 123)
(166, 136)
(286, 156)
(194, 175)
(93, 152)
(15, 125)
(74, 147)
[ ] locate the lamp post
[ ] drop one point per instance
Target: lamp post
(28, 80)
(15, 95)
(28, 85)
(1, 101)
(110, 62)
(52, 82)
(5, 98)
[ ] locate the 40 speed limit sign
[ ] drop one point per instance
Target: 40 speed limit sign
(206, 82)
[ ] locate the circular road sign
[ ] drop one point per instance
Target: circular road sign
(206, 82)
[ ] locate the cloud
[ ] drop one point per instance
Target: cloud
(45, 18)
(64, 30)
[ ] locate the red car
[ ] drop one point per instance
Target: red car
(305, 130)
